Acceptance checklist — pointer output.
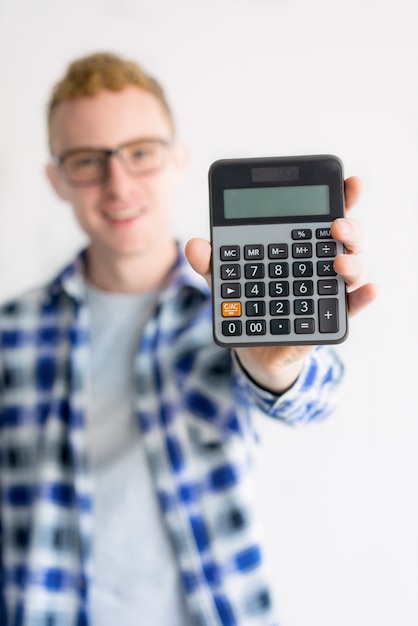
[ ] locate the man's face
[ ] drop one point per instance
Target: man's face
(125, 214)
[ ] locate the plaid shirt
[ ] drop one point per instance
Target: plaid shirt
(196, 413)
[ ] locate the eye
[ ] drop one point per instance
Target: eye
(141, 152)
(85, 161)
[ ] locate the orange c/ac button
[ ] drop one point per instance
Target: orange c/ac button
(231, 309)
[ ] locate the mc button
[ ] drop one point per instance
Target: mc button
(229, 253)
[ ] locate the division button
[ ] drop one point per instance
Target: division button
(327, 248)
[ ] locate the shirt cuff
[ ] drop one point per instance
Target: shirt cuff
(313, 395)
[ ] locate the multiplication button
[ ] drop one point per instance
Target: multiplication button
(325, 268)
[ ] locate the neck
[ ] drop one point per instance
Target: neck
(131, 273)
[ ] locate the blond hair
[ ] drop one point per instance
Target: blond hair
(91, 74)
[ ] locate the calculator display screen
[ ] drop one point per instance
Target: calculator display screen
(254, 202)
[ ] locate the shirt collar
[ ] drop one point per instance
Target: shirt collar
(72, 279)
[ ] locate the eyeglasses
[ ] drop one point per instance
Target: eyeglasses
(89, 166)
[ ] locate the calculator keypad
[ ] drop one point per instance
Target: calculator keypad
(280, 291)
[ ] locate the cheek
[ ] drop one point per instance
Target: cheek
(84, 202)
(165, 191)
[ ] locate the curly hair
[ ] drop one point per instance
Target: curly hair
(91, 74)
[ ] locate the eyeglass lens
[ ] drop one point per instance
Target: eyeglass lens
(89, 165)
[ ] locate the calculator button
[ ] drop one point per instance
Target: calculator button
(323, 233)
(325, 268)
(256, 327)
(278, 270)
(304, 325)
(303, 288)
(231, 309)
(253, 252)
(230, 253)
(301, 250)
(280, 327)
(230, 272)
(279, 289)
(232, 328)
(254, 290)
(231, 290)
(326, 248)
(255, 308)
(303, 307)
(328, 315)
(301, 233)
(279, 307)
(254, 270)
(302, 268)
(327, 287)
(278, 251)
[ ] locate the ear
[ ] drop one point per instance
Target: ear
(57, 181)
(181, 158)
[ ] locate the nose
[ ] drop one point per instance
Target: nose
(118, 182)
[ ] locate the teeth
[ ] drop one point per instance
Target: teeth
(123, 214)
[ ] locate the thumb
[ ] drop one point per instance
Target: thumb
(198, 253)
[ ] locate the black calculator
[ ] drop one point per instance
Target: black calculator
(273, 277)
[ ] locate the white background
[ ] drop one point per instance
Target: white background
(256, 78)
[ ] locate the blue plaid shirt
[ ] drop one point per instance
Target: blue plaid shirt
(197, 414)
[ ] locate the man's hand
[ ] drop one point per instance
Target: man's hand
(276, 368)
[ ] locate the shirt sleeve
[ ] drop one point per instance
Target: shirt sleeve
(314, 395)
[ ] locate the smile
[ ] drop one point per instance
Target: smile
(124, 214)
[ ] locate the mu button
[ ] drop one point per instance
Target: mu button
(231, 309)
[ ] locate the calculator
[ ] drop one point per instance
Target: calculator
(273, 278)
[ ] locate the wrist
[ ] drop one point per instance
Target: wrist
(276, 378)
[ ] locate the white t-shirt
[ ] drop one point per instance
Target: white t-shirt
(136, 581)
